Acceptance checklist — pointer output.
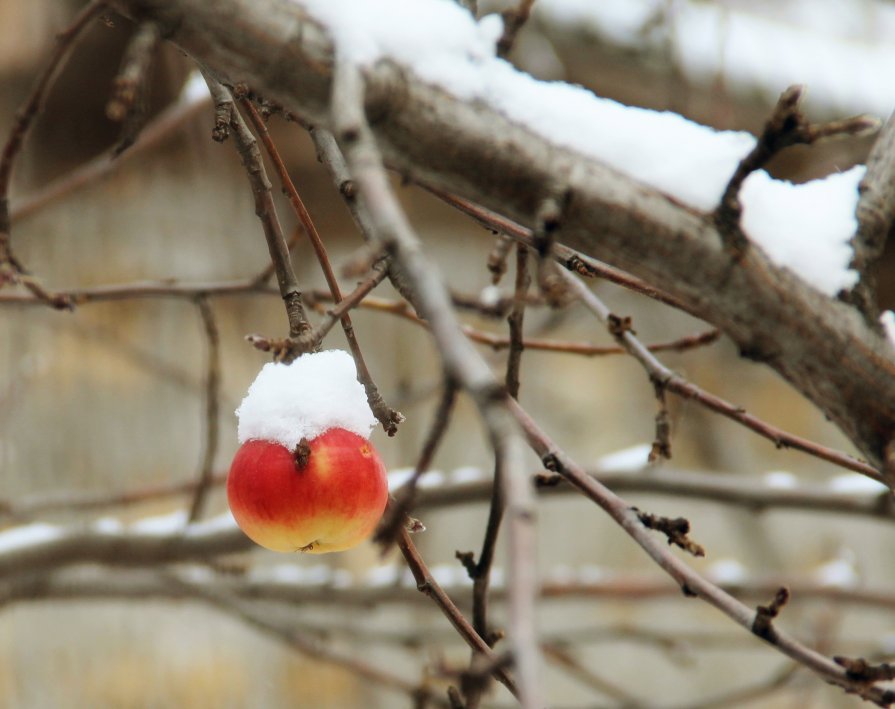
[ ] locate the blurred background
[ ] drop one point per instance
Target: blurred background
(110, 397)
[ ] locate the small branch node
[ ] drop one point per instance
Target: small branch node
(860, 670)
(467, 558)
(413, 525)
(618, 325)
(544, 480)
(764, 615)
(497, 259)
(675, 529)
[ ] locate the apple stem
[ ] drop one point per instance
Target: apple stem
(302, 454)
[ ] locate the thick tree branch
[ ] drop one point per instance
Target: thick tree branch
(822, 347)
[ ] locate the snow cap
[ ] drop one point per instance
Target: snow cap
(316, 392)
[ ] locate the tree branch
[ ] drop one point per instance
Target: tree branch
(824, 348)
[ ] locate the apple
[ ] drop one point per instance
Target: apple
(327, 495)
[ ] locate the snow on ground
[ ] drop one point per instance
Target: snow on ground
(805, 228)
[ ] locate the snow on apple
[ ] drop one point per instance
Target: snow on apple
(305, 477)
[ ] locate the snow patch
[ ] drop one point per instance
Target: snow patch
(397, 478)
(161, 525)
(316, 392)
(194, 89)
(727, 571)
(856, 483)
(887, 320)
(805, 228)
(383, 576)
(468, 474)
(839, 573)
(627, 459)
(29, 535)
(780, 480)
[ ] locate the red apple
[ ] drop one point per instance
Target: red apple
(329, 500)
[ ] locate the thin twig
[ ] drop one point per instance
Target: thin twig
(212, 406)
(11, 269)
(388, 417)
(740, 491)
(774, 682)
(523, 583)
(690, 582)
(162, 127)
(266, 211)
(405, 497)
(516, 320)
(329, 153)
(430, 297)
(571, 259)
(660, 374)
(497, 259)
(480, 572)
(426, 584)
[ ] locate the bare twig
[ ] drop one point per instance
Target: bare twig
(212, 406)
(329, 153)
(524, 586)
(431, 299)
(388, 417)
(497, 259)
(137, 578)
(266, 211)
(162, 127)
(775, 681)
(515, 320)
(498, 342)
(721, 489)
(405, 497)
(427, 585)
(763, 626)
(690, 582)
(661, 449)
(663, 376)
(864, 671)
(11, 269)
(571, 259)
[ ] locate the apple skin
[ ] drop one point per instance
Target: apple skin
(332, 503)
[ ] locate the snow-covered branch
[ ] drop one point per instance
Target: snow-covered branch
(444, 111)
